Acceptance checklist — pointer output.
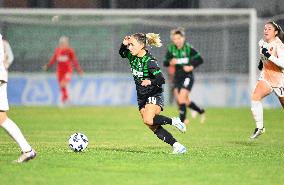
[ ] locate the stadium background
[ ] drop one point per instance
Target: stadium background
(121, 149)
(221, 81)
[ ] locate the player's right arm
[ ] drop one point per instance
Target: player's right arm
(195, 58)
(168, 58)
(124, 51)
(51, 61)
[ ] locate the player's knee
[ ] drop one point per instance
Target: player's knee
(62, 84)
(152, 127)
(255, 97)
(148, 121)
(182, 101)
(3, 117)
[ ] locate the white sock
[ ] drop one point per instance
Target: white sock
(257, 112)
(16, 134)
(176, 144)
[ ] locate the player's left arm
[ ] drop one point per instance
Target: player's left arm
(154, 69)
(169, 56)
(195, 58)
(279, 60)
(194, 62)
(75, 62)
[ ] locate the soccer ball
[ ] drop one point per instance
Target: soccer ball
(78, 142)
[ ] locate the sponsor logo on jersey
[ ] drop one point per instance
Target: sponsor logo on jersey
(182, 61)
(136, 73)
(62, 58)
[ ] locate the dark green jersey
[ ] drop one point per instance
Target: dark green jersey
(185, 56)
(144, 68)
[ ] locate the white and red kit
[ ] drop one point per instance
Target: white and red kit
(273, 67)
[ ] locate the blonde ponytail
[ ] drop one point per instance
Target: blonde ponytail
(153, 39)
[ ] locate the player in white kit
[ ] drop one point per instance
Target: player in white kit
(272, 73)
(5, 122)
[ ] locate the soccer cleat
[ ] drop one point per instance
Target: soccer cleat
(26, 156)
(178, 124)
(257, 132)
(178, 148)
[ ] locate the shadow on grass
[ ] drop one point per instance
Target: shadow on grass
(244, 143)
(146, 150)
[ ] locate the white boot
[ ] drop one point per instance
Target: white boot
(178, 148)
(178, 124)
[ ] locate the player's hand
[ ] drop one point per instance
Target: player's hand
(173, 62)
(145, 83)
(188, 68)
(44, 67)
(260, 65)
(6, 64)
(126, 40)
(265, 52)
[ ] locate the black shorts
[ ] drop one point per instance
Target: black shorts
(156, 99)
(185, 83)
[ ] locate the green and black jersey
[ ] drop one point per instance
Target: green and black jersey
(144, 68)
(185, 56)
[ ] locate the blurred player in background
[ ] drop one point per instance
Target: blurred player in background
(65, 57)
(8, 54)
(149, 79)
(5, 122)
(272, 74)
(185, 59)
(171, 74)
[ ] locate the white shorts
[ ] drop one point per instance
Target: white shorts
(279, 91)
(4, 106)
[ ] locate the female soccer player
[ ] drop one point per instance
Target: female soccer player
(5, 122)
(149, 79)
(272, 74)
(185, 59)
(65, 57)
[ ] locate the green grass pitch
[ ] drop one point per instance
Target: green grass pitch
(123, 151)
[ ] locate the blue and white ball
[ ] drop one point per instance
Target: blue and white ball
(78, 142)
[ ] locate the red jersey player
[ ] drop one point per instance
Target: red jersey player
(65, 58)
